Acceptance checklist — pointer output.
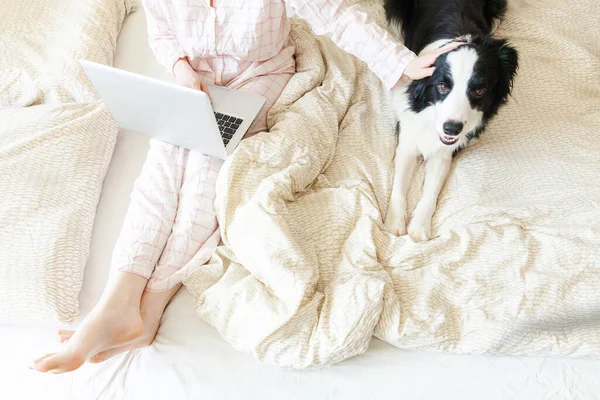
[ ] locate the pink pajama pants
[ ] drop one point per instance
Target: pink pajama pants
(170, 227)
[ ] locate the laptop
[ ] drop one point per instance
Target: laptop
(175, 114)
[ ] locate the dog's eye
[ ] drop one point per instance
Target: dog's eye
(443, 89)
(479, 92)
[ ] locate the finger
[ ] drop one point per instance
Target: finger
(204, 88)
(429, 59)
(441, 50)
(427, 72)
(196, 84)
(449, 47)
(424, 73)
(452, 45)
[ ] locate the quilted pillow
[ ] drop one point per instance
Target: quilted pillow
(56, 142)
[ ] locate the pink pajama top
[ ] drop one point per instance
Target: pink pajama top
(256, 33)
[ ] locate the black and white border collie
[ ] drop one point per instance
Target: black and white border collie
(439, 115)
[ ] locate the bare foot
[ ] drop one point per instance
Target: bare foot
(103, 329)
(151, 325)
(115, 321)
(152, 307)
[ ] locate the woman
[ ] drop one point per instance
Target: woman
(170, 228)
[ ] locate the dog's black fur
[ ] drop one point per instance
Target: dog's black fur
(426, 21)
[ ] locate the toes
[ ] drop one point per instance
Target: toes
(57, 363)
(63, 335)
(36, 362)
(66, 363)
(45, 363)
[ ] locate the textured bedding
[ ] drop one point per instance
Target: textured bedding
(56, 142)
(308, 274)
(189, 360)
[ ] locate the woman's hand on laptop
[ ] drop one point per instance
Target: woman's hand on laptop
(186, 76)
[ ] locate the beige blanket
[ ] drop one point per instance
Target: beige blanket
(56, 142)
(308, 274)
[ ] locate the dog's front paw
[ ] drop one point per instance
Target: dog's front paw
(419, 229)
(395, 221)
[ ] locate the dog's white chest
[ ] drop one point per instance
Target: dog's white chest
(417, 133)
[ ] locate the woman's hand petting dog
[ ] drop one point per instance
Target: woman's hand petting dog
(186, 76)
(422, 66)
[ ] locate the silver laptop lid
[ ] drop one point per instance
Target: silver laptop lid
(158, 109)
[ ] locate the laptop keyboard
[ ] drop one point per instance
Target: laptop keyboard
(228, 126)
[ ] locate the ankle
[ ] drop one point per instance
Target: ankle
(124, 289)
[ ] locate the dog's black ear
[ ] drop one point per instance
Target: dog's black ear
(417, 94)
(508, 61)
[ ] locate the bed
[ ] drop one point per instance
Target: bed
(189, 359)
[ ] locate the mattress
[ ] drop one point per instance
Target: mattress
(189, 359)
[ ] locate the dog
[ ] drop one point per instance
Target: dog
(440, 115)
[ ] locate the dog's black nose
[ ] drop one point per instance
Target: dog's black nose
(453, 128)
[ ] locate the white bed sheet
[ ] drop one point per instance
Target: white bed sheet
(189, 360)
